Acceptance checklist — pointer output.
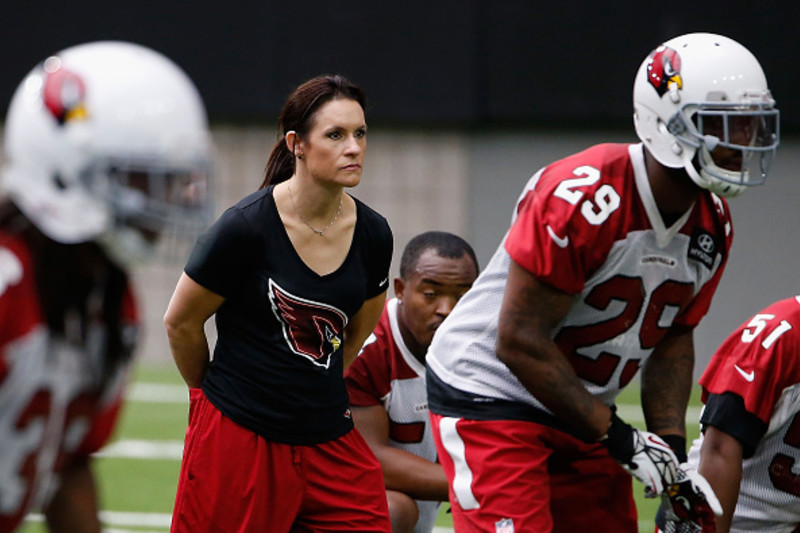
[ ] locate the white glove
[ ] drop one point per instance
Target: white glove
(688, 506)
(644, 455)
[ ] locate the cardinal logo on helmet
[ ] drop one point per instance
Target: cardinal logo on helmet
(664, 70)
(63, 92)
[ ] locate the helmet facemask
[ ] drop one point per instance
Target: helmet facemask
(734, 145)
(148, 204)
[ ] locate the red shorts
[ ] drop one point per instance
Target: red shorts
(508, 475)
(233, 480)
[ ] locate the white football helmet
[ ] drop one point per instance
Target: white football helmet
(706, 95)
(108, 141)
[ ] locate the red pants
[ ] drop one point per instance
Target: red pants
(232, 480)
(508, 474)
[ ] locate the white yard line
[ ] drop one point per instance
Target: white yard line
(117, 518)
(143, 449)
(157, 393)
(124, 519)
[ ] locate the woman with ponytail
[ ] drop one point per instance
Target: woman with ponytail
(296, 276)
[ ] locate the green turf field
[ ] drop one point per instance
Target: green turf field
(138, 472)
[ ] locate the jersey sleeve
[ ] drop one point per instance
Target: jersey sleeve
(727, 412)
(552, 239)
(222, 252)
(758, 360)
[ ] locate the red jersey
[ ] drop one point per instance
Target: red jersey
(587, 225)
(52, 410)
(755, 376)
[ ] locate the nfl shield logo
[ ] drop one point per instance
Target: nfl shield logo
(506, 525)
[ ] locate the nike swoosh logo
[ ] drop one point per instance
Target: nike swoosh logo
(561, 242)
(384, 282)
(748, 376)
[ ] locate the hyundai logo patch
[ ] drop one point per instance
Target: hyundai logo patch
(703, 247)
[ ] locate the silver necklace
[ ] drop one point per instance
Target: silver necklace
(320, 232)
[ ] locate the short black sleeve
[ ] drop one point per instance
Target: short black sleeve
(222, 253)
(379, 251)
(727, 413)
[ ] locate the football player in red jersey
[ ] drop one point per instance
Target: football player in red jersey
(386, 382)
(612, 259)
(750, 447)
(296, 276)
(106, 148)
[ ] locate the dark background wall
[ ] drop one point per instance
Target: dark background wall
(471, 63)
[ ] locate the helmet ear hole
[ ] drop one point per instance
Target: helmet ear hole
(58, 181)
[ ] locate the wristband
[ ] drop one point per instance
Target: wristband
(678, 445)
(619, 440)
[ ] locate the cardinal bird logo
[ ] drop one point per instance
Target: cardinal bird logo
(312, 330)
(63, 92)
(664, 70)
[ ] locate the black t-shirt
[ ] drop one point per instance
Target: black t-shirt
(277, 365)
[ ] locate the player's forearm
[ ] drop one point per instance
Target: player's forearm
(541, 367)
(73, 508)
(552, 380)
(720, 476)
(413, 475)
(530, 312)
(667, 384)
(721, 465)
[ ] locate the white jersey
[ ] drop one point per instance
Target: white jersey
(587, 225)
(52, 411)
(759, 363)
(387, 373)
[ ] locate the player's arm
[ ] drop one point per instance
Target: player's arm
(361, 326)
(666, 387)
(721, 465)
(531, 310)
(402, 471)
(73, 508)
(191, 305)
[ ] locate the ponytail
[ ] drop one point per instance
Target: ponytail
(280, 165)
